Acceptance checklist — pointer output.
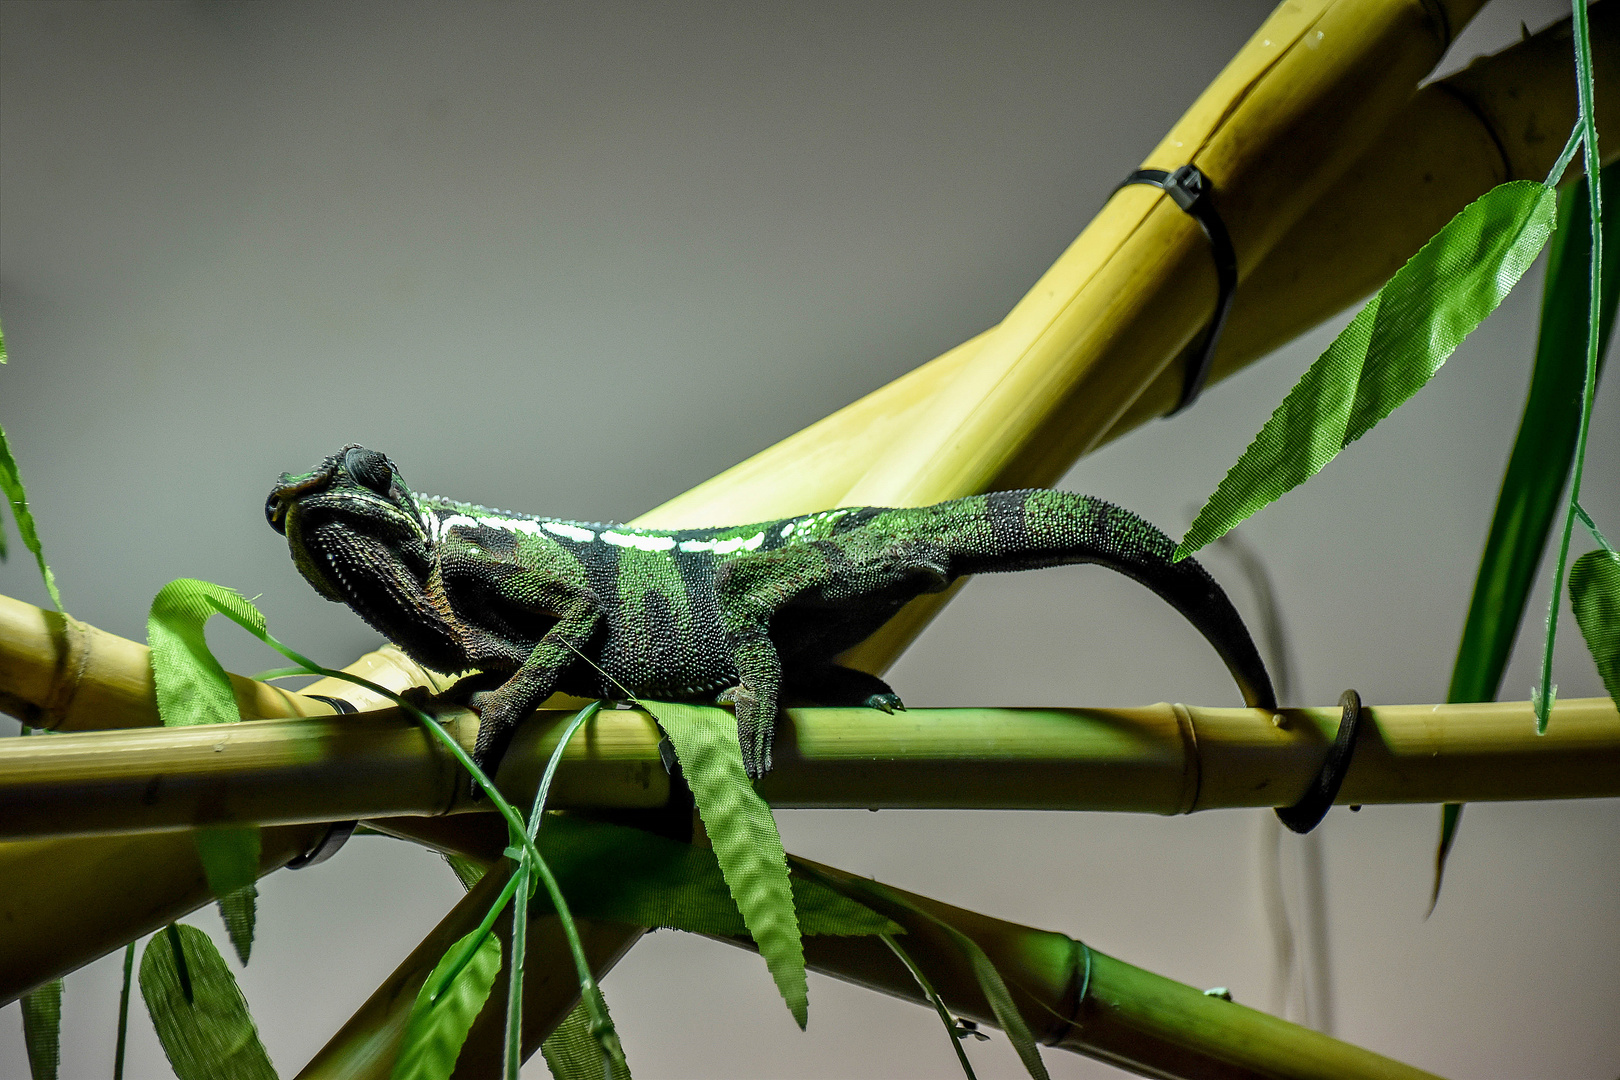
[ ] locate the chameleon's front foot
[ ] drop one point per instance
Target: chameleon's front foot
(495, 727)
(889, 702)
(753, 732)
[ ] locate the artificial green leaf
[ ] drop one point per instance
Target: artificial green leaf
(467, 872)
(991, 984)
(572, 1052)
(192, 687)
(745, 839)
(995, 992)
(42, 1030)
(435, 1031)
(210, 1036)
(1387, 353)
(1538, 466)
(239, 911)
(230, 856)
(1594, 597)
(620, 874)
(12, 486)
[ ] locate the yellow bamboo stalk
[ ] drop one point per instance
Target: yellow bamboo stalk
(1160, 759)
(1303, 99)
(65, 903)
(64, 675)
(1504, 117)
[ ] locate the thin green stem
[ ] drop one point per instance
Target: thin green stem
(123, 1012)
(514, 982)
(520, 921)
(945, 1016)
(1568, 155)
(556, 759)
(485, 928)
(1545, 691)
(1591, 527)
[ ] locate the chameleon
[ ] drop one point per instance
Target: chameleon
(744, 614)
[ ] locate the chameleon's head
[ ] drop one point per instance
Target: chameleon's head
(350, 521)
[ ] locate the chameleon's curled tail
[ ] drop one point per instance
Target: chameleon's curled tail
(1026, 530)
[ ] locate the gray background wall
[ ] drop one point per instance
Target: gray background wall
(575, 259)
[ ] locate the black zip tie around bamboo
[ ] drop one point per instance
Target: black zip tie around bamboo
(1306, 814)
(1190, 189)
(338, 832)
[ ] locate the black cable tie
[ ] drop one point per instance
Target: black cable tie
(1190, 189)
(1306, 814)
(338, 832)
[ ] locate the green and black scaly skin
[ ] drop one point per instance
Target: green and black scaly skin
(746, 614)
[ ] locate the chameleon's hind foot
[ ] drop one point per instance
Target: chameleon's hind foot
(888, 702)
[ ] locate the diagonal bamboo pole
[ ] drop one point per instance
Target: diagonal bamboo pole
(365, 1047)
(1159, 759)
(1071, 996)
(1084, 1001)
(65, 903)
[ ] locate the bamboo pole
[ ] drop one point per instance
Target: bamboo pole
(365, 1047)
(1072, 997)
(64, 675)
(1084, 1001)
(1160, 759)
(1303, 99)
(1504, 117)
(66, 903)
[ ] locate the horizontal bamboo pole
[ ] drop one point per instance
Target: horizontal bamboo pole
(1163, 759)
(68, 900)
(65, 903)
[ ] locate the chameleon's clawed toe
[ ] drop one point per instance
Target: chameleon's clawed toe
(889, 703)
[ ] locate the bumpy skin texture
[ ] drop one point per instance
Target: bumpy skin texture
(746, 613)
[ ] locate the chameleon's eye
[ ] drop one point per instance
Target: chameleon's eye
(370, 469)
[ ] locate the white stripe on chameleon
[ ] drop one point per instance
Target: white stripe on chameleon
(644, 543)
(569, 532)
(787, 530)
(453, 520)
(738, 543)
(697, 545)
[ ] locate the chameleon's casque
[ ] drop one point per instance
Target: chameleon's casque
(741, 613)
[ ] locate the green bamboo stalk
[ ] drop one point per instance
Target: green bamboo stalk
(1070, 996)
(1164, 759)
